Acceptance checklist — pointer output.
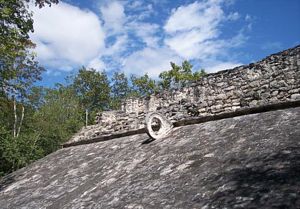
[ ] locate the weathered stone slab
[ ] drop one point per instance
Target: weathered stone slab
(250, 161)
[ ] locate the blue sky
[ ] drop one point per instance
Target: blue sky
(140, 37)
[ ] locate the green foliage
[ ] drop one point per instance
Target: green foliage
(36, 97)
(120, 89)
(198, 74)
(58, 118)
(6, 114)
(16, 152)
(25, 72)
(179, 76)
(18, 68)
(18, 71)
(15, 24)
(42, 3)
(92, 88)
(53, 115)
(143, 85)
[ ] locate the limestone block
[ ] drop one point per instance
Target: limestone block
(295, 96)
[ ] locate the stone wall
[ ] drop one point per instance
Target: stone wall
(271, 80)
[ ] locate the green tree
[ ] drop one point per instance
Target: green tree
(179, 76)
(59, 117)
(93, 89)
(53, 116)
(143, 85)
(36, 97)
(18, 85)
(120, 89)
(15, 25)
(6, 113)
(198, 74)
(42, 3)
(18, 71)
(18, 66)
(17, 152)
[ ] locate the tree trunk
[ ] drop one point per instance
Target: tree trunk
(86, 117)
(16, 117)
(21, 121)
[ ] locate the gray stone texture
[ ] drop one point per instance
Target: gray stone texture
(250, 161)
(271, 80)
(157, 125)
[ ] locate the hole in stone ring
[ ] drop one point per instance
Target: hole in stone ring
(157, 125)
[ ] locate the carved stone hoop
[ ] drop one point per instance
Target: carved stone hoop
(163, 124)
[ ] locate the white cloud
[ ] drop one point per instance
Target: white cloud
(135, 4)
(192, 27)
(113, 16)
(96, 64)
(139, 10)
(233, 16)
(194, 31)
(124, 31)
(151, 61)
(66, 35)
(118, 46)
(248, 17)
(201, 15)
(123, 37)
(146, 31)
(187, 45)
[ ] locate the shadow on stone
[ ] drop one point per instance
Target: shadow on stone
(271, 181)
(6, 181)
(147, 141)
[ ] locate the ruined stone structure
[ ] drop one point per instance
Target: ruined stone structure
(271, 80)
(251, 161)
(234, 143)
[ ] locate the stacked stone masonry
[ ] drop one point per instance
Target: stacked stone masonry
(272, 80)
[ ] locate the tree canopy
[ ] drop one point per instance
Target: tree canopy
(120, 89)
(179, 76)
(143, 85)
(92, 88)
(36, 120)
(53, 115)
(18, 66)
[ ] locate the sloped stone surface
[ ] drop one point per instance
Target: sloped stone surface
(250, 161)
(274, 79)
